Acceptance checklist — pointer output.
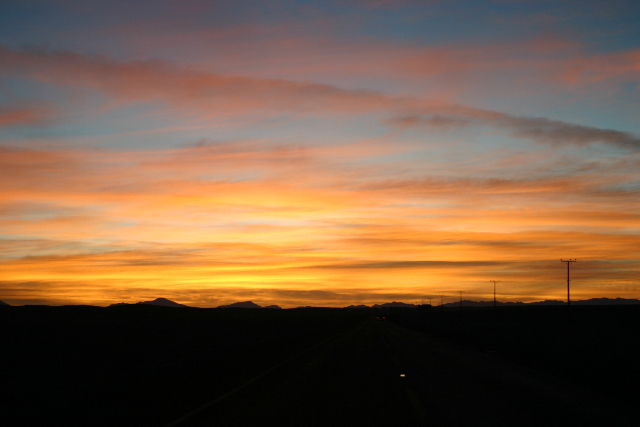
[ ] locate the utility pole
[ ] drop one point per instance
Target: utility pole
(441, 300)
(569, 261)
(460, 292)
(494, 291)
(430, 301)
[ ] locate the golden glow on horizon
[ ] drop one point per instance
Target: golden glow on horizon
(297, 164)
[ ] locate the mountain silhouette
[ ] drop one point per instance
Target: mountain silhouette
(161, 302)
(4, 303)
(245, 304)
(273, 306)
(393, 304)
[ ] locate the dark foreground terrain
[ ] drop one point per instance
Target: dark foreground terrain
(141, 365)
(595, 347)
(155, 366)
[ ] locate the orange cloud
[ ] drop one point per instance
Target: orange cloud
(394, 216)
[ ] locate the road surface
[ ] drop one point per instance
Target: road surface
(378, 373)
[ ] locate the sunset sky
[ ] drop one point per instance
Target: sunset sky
(323, 153)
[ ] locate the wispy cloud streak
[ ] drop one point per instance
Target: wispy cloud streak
(154, 81)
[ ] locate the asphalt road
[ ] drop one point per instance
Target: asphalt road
(378, 373)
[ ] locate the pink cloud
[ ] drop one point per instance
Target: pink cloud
(591, 69)
(153, 81)
(211, 94)
(23, 116)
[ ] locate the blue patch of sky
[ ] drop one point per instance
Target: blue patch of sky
(603, 26)
(41, 22)
(443, 23)
(94, 124)
(36, 22)
(25, 22)
(625, 187)
(136, 127)
(77, 26)
(17, 89)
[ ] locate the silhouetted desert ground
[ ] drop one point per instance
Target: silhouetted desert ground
(147, 366)
(142, 365)
(595, 347)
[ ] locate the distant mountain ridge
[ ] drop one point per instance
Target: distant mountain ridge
(592, 301)
(4, 303)
(393, 304)
(160, 302)
(247, 304)
(163, 302)
(468, 303)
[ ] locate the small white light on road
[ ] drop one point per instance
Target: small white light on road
(402, 375)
